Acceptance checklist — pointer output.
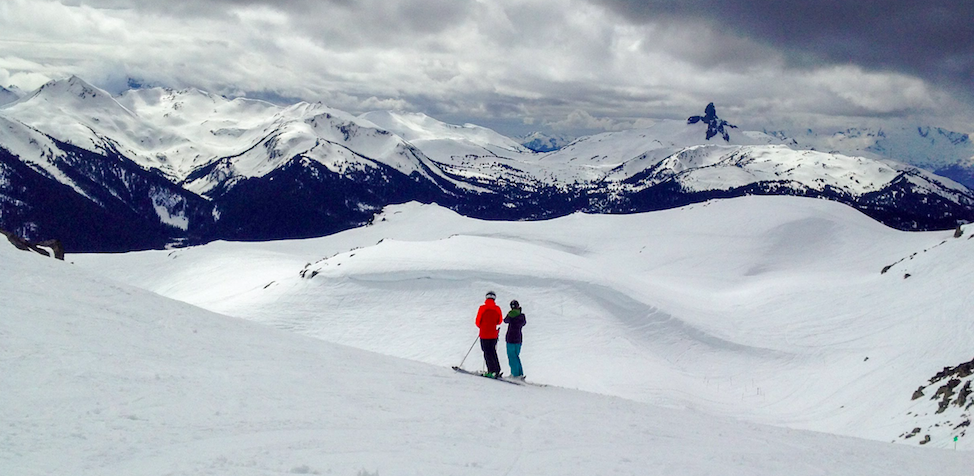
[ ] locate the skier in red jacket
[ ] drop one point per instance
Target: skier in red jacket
(489, 318)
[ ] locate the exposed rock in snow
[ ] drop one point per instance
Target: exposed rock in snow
(50, 248)
(715, 125)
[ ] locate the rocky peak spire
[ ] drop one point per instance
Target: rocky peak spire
(715, 125)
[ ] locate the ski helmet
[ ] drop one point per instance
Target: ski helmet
(515, 304)
(491, 295)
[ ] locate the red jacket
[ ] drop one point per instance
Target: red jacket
(489, 318)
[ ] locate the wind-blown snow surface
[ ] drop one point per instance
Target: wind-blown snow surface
(100, 378)
(770, 309)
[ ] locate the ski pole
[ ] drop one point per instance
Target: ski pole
(468, 351)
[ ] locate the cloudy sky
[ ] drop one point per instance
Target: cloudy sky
(564, 66)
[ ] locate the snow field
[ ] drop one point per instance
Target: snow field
(769, 309)
(104, 379)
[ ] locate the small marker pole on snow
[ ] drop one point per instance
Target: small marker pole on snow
(468, 351)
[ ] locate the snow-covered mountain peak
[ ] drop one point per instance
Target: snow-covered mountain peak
(304, 108)
(69, 102)
(306, 111)
(418, 127)
(8, 95)
(192, 106)
(174, 99)
(71, 92)
(78, 113)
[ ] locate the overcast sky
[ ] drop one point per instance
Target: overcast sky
(569, 66)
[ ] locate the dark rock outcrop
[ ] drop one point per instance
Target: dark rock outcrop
(715, 125)
(22, 244)
(953, 401)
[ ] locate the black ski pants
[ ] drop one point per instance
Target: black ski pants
(489, 347)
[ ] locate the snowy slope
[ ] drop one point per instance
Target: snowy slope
(91, 200)
(8, 95)
(467, 153)
(419, 128)
(108, 379)
(770, 309)
(36, 149)
(200, 127)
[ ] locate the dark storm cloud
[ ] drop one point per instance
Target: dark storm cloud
(932, 39)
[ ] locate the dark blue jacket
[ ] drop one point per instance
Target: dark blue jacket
(515, 321)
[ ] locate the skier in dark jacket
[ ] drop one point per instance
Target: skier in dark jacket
(489, 318)
(515, 321)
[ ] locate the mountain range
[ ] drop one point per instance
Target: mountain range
(157, 167)
(941, 151)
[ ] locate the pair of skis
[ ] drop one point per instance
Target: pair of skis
(460, 369)
(512, 381)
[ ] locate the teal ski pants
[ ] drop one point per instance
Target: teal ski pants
(514, 358)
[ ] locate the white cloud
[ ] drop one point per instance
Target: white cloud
(568, 64)
(580, 120)
(376, 104)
